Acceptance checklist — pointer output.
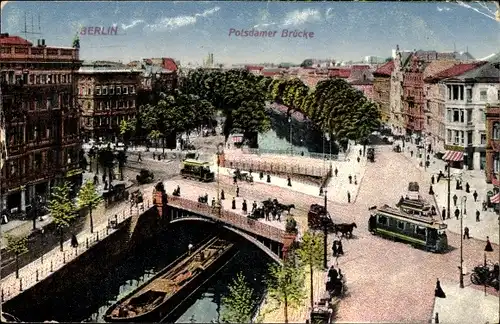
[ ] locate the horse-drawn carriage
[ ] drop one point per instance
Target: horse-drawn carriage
(271, 206)
(318, 217)
(486, 275)
(136, 198)
(397, 148)
(370, 154)
(145, 176)
(116, 193)
(243, 176)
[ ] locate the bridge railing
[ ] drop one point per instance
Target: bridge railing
(314, 155)
(271, 167)
(55, 259)
(231, 218)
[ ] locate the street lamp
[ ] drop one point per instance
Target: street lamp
(291, 145)
(462, 201)
(449, 189)
(325, 232)
(219, 153)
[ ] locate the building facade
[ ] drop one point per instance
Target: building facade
(466, 98)
(107, 94)
(396, 94)
(382, 89)
(361, 78)
(492, 170)
(42, 120)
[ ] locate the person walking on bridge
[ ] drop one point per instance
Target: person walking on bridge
(475, 195)
(336, 171)
(237, 191)
(233, 204)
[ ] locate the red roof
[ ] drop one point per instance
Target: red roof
(270, 73)
(385, 69)
(360, 67)
(254, 67)
(458, 70)
(169, 64)
(13, 40)
(339, 73)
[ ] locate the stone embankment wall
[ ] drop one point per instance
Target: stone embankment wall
(86, 268)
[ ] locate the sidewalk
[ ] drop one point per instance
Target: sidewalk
(465, 305)
(337, 186)
(488, 225)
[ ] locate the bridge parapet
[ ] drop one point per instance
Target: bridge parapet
(233, 219)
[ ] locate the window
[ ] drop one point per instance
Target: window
(462, 137)
(461, 115)
(401, 225)
(44, 79)
(118, 90)
(498, 94)
(483, 94)
(469, 116)
(105, 90)
(496, 130)
(482, 160)
(98, 91)
(456, 115)
(125, 91)
(132, 89)
(469, 94)
(111, 90)
(449, 114)
(457, 138)
(382, 220)
(469, 137)
(483, 139)
(420, 230)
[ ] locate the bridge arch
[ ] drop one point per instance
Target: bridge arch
(246, 236)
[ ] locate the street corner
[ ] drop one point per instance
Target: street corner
(465, 305)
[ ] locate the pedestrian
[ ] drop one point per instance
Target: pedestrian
(74, 241)
(477, 216)
(350, 179)
(235, 180)
(360, 152)
(475, 195)
(103, 177)
(336, 171)
(190, 248)
(467, 187)
(431, 191)
(446, 167)
(466, 233)
(154, 156)
(355, 180)
(213, 202)
(261, 175)
(321, 190)
(244, 206)
(411, 153)
(438, 292)
(334, 249)
(237, 191)
(233, 204)
(485, 206)
(332, 273)
(432, 179)
(455, 198)
(348, 197)
(359, 159)
(289, 181)
(96, 180)
(266, 212)
(254, 206)
(433, 210)
(139, 157)
(443, 213)
(268, 178)
(457, 213)
(340, 249)
(457, 186)
(222, 195)
(488, 247)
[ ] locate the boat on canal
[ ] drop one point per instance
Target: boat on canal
(155, 299)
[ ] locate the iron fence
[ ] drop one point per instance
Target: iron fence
(54, 260)
(275, 167)
(314, 155)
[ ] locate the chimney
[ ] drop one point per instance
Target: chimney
(43, 42)
(38, 42)
(2, 35)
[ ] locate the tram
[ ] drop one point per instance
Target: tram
(418, 231)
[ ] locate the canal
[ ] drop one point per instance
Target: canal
(204, 306)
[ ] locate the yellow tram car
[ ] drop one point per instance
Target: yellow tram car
(422, 232)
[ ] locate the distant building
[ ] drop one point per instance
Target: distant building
(107, 93)
(382, 89)
(361, 78)
(254, 69)
(374, 59)
(42, 120)
(493, 144)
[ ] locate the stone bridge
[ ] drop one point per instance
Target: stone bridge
(273, 241)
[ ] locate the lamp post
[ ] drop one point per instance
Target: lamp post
(290, 123)
(449, 189)
(462, 201)
(219, 153)
(325, 232)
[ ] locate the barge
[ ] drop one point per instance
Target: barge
(156, 298)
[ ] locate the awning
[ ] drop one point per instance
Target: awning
(495, 199)
(453, 156)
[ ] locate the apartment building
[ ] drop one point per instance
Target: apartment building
(42, 129)
(107, 93)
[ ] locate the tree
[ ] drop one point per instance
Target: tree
(154, 135)
(286, 285)
(239, 304)
(310, 254)
(62, 209)
(127, 130)
(17, 245)
(89, 197)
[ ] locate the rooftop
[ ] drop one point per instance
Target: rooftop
(13, 40)
(453, 71)
(385, 70)
(436, 67)
(485, 72)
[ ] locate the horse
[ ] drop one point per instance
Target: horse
(284, 207)
(345, 229)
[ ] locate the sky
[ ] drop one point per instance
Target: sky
(188, 31)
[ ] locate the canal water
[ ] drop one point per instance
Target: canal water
(204, 307)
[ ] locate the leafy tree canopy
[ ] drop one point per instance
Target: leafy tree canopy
(238, 304)
(286, 282)
(62, 208)
(88, 195)
(17, 244)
